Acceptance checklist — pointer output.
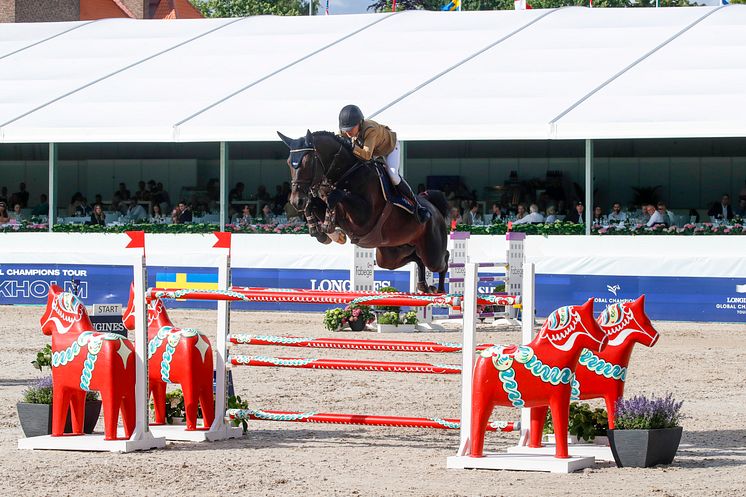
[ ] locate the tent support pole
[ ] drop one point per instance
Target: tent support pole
(224, 185)
(52, 217)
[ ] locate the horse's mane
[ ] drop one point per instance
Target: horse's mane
(341, 141)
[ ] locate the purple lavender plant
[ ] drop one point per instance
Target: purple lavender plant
(647, 413)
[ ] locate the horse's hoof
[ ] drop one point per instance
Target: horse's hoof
(423, 288)
(342, 239)
(432, 289)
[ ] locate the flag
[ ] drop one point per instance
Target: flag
(194, 281)
(454, 5)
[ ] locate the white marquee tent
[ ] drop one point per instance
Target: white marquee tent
(570, 73)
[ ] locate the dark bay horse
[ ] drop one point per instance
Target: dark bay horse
(328, 182)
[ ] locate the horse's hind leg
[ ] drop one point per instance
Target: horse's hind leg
(442, 276)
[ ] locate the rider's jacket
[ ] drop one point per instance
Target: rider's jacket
(374, 140)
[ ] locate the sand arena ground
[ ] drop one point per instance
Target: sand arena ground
(702, 364)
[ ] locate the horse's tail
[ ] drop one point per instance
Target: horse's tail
(438, 199)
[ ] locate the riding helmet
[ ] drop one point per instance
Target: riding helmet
(349, 117)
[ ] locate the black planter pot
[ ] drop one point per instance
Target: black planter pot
(36, 419)
(357, 325)
(644, 448)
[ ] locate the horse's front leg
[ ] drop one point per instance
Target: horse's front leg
(312, 220)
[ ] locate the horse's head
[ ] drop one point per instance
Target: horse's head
(64, 313)
(312, 158)
(156, 312)
(628, 322)
(573, 328)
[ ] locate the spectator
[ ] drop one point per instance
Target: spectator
(741, 209)
(245, 218)
(43, 208)
(162, 197)
(135, 212)
(75, 203)
(551, 215)
(721, 210)
(577, 216)
(267, 215)
(237, 192)
(142, 193)
(693, 216)
(123, 192)
(533, 217)
(472, 217)
(21, 196)
(156, 214)
(742, 193)
(658, 215)
(4, 194)
(4, 217)
(598, 216)
(291, 212)
(616, 215)
(520, 212)
(98, 217)
(497, 213)
(82, 209)
(454, 216)
(16, 214)
(262, 195)
(646, 210)
(182, 214)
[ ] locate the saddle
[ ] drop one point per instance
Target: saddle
(390, 192)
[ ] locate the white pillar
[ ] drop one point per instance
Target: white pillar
(527, 333)
(221, 351)
(224, 185)
(141, 350)
(52, 197)
(469, 308)
(362, 272)
(588, 212)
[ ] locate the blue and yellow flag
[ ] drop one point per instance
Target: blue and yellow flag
(196, 281)
(454, 5)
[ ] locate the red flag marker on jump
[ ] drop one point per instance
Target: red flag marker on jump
(224, 240)
(137, 240)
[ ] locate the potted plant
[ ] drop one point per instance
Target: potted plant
(175, 407)
(393, 322)
(646, 432)
(354, 316)
(35, 410)
(585, 425)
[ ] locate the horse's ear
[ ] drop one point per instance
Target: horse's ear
(287, 141)
(309, 138)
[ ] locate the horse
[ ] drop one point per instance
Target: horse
(176, 355)
(535, 375)
(84, 360)
(328, 182)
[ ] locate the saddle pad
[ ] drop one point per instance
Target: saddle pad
(390, 192)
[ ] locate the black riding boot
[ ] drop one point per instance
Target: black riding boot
(420, 212)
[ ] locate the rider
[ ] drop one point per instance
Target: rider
(370, 139)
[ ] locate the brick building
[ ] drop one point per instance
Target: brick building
(82, 10)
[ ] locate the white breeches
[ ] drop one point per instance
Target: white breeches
(392, 164)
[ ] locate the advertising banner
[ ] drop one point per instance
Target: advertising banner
(667, 298)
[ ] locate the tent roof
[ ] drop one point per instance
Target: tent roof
(570, 73)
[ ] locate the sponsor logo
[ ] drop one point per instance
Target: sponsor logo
(613, 289)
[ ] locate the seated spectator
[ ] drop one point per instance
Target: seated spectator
(267, 216)
(244, 219)
(616, 215)
(42, 209)
(658, 215)
(454, 216)
(182, 213)
(142, 193)
(123, 192)
(740, 210)
(497, 213)
(16, 215)
(472, 217)
(135, 212)
(4, 216)
(98, 217)
(721, 210)
(237, 192)
(577, 216)
(4, 194)
(533, 217)
(291, 212)
(75, 203)
(21, 196)
(520, 212)
(161, 197)
(551, 215)
(598, 216)
(156, 214)
(262, 195)
(693, 216)
(82, 208)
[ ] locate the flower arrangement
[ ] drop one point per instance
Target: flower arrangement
(335, 319)
(647, 413)
(584, 422)
(40, 392)
(175, 406)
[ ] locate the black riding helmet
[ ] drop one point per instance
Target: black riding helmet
(349, 117)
